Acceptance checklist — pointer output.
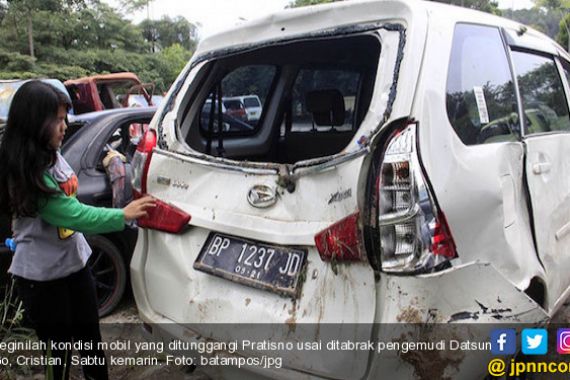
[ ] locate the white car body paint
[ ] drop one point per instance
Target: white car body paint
(480, 188)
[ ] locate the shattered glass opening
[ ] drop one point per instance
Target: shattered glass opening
(282, 103)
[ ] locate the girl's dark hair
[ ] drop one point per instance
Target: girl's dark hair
(25, 151)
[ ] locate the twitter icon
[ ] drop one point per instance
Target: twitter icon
(534, 341)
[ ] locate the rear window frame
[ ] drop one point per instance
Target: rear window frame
(194, 82)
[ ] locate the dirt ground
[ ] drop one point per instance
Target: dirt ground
(127, 313)
(121, 326)
(118, 327)
(124, 325)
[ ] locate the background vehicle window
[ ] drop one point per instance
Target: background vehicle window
(125, 139)
(238, 116)
(313, 81)
(542, 93)
(251, 102)
(481, 102)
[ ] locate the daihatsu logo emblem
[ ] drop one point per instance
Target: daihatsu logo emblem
(261, 196)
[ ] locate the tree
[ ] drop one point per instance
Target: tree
(562, 9)
(135, 5)
(488, 6)
(538, 18)
(563, 33)
(552, 4)
(175, 57)
(303, 3)
(27, 9)
(167, 32)
(73, 40)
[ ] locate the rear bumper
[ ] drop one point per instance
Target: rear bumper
(474, 294)
(471, 293)
(462, 304)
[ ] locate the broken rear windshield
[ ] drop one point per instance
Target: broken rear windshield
(314, 95)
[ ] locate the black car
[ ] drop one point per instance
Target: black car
(92, 135)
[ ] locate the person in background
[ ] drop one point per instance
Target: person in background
(116, 171)
(38, 190)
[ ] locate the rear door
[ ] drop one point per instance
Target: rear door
(249, 255)
(547, 140)
(243, 264)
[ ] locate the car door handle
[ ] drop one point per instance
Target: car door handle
(541, 167)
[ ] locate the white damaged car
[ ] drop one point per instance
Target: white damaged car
(411, 164)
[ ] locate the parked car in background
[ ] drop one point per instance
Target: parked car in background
(233, 119)
(9, 87)
(84, 151)
(235, 109)
(107, 91)
(138, 100)
(252, 105)
(427, 202)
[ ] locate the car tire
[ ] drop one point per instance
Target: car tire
(109, 273)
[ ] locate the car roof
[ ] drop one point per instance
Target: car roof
(303, 21)
(114, 77)
(91, 117)
(87, 134)
(8, 88)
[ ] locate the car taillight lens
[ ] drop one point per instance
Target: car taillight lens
(414, 235)
(341, 241)
(164, 217)
(141, 162)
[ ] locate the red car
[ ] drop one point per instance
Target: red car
(106, 91)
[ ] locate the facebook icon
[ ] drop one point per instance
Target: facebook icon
(503, 342)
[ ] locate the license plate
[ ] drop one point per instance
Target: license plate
(252, 263)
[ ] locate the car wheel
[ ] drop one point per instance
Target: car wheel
(109, 273)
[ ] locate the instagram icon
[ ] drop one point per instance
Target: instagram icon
(563, 341)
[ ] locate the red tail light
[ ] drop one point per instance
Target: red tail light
(141, 162)
(413, 234)
(148, 142)
(442, 241)
(341, 241)
(164, 217)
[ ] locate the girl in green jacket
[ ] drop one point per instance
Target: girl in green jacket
(38, 189)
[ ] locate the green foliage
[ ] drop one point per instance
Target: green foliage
(11, 313)
(74, 40)
(303, 3)
(562, 36)
(167, 32)
(488, 6)
(174, 58)
(560, 11)
(552, 4)
(16, 61)
(134, 5)
(537, 18)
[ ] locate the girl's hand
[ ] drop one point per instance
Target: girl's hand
(137, 209)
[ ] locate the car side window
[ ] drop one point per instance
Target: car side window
(481, 101)
(124, 139)
(542, 93)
